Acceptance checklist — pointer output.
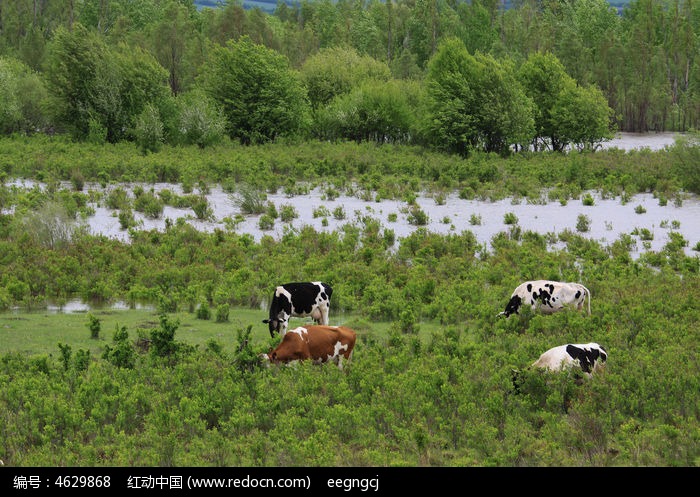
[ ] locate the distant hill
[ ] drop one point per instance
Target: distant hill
(270, 5)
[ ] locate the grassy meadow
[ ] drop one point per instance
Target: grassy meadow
(39, 332)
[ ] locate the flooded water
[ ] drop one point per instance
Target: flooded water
(607, 219)
(631, 141)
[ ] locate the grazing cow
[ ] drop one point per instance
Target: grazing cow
(298, 300)
(548, 296)
(590, 357)
(317, 343)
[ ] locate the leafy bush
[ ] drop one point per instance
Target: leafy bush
(288, 213)
(222, 313)
(149, 204)
(510, 218)
(203, 311)
(249, 200)
(583, 223)
(94, 325)
(122, 354)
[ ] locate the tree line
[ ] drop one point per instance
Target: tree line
(453, 76)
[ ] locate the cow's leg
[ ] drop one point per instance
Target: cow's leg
(324, 315)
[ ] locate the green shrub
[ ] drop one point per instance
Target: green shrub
(249, 200)
(203, 311)
(510, 218)
(417, 216)
(339, 213)
(266, 222)
(202, 209)
(149, 204)
(583, 223)
(288, 213)
(94, 326)
(222, 313)
(121, 354)
(321, 211)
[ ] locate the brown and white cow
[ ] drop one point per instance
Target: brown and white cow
(318, 343)
(548, 296)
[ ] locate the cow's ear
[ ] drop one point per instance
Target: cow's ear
(266, 321)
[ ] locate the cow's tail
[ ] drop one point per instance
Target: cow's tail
(589, 299)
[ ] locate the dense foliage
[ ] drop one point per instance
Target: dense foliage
(406, 399)
(460, 76)
(409, 397)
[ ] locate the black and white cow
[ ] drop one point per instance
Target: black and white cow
(548, 296)
(298, 300)
(589, 357)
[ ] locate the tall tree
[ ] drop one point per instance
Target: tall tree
(22, 98)
(94, 87)
(335, 71)
(75, 58)
(475, 102)
(262, 97)
(544, 77)
(644, 73)
(171, 35)
(582, 117)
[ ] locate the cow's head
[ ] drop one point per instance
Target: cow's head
(512, 307)
(265, 360)
(275, 326)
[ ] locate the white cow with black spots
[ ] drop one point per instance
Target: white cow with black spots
(548, 297)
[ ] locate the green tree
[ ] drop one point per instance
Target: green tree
(10, 113)
(149, 130)
(95, 87)
(565, 113)
(142, 82)
(582, 117)
(75, 59)
(202, 121)
(173, 35)
(375, 111)
(423, 29)
(475, 102)
(336, 71)
(327, 23)
(543, 78)
(645, 84)
(479, 32)
(262, 97)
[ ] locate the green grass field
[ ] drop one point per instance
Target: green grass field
(40, 332)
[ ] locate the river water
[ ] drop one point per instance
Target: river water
(607, 219)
